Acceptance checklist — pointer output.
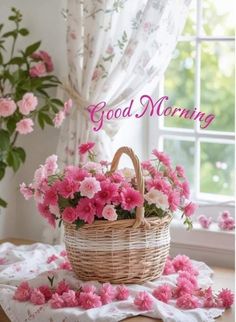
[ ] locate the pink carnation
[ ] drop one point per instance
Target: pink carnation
(107, 293)
(56, 301)
(51, 258)
(69, 298)
(46, 291)
(163, 293)
(190, 209)
(89, 187)
(25, 126)
(185, 189)
(109, 213)
(22, 292)
(51, 165)
(143, 301)
(63, 253)
(38, 70)
(7, 107)
(174, 200)
(190, 277)
(188, 301)
(169, 267)
(86, 210)
(107, 193)
(162, 157)
(225, 214)
(89, 300)
(88, 288)
(68, 106)
(28, 103)
(45, 58)
(204, 221)
(131, 198)
(62, 287)
(58, 119)
(181, 262)
(76, 173)
(37, 297)
(27, 192)
(180, 171)
(86, 147)
(69, 214)
(68, 187)
(122, 292)
(225, 298)
(66, 266)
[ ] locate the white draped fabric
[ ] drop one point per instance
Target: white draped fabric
(117, 49)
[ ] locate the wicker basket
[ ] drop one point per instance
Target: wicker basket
(122, 251)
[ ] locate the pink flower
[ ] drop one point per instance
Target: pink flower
(174, 200)
(89, 187)
(76, 173)
(69, 214)
(86, 210)
(169, 268)
(131, 199)
(52, 258)
(37, 297)
(68, 187)
(226, 222)
(25, 126)
(188, 301)
(107, 293)
(86, 147)
(185, 189)
(7, 107)
(40, 176)
(226, 298)
(107, 192)
(63, 253)
(38, 70)
(68, 106)
(28, 103)
(22, 292)
(27, 192)
(93, 167)
(225, 214)
(180, 262)
(163, 293)
(56, 301)
(89, 300)
(66, 266)
(45, 58)
(109, 213)
(62, 287)
(122, 292)
(46, 291)
(180, 171)
(143, 301)
(88, 288)
(58, 119)
(51, 197)
(190, 209)
(190, 277)
(69, 298)
(204, 221)
(162, 157)
(51, 165)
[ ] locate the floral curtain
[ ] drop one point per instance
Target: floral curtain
(116, 50)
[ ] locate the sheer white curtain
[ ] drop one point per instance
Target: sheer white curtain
(117, 49)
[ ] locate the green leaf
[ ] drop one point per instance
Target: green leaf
(79, 223)
(1, 26)
(57, 101)
(44, 118)
(17, 61)
(4, 140)
(21, 153)
(1, 59)
(32, 48)
(13, 160)
(12, 33)
(3, 203)
(23, 32)
(2, 169)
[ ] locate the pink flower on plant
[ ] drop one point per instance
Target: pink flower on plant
(56, 301)
(7, 107)
(51, 165)
(174, 200)
(68, 187)
(225, 298)
(185, 189)
(122, 292)
(163, 293)
(69, 214)
(45, 58)
(27, 192)
(93, 166)
(51, 197)
(107, 192)
(89, 187)
(162, 157)
(109, 213)
(76, 173)
(143, 301)
(69, 298)
(89, 300)
(204, 221)
(180, 171)
(37, 297)
(68, 106)
(86, 147)
(46, 291)
(39, 69)
(58, 119)
(86, 210)
(188, 301)
(22, 292)
(131, 198)
(107, 293)
(28, 103)
(62, 287)
(25, 126)
(190, 209)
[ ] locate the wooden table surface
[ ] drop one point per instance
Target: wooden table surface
(223, 278)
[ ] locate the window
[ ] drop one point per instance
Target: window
(201, 74)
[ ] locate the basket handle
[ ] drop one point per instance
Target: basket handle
(140, 182)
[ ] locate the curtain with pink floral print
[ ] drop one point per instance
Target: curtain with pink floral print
(117, 49)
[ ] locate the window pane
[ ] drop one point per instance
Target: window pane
(217, 84)
(217, 168)
(218, 17)
(179, 83)
(182, 153)
(190, 25)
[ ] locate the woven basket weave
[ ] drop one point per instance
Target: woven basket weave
(122, 251)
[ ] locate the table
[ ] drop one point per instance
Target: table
(223, 277)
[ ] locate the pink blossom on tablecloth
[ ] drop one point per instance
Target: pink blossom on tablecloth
(89, 300)
(69, 298)
(225, 298)
(46, 291)
(107, 293)
(37, 297)
(143, 301)
(163, 293)
(188, 301)
(169, 267)
(65, 265)
(62, 287)
(56, 301)
(23, 292)
(122, 292)
(52, 258)
(88, 288)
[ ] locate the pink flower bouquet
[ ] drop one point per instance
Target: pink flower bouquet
(88, 192)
